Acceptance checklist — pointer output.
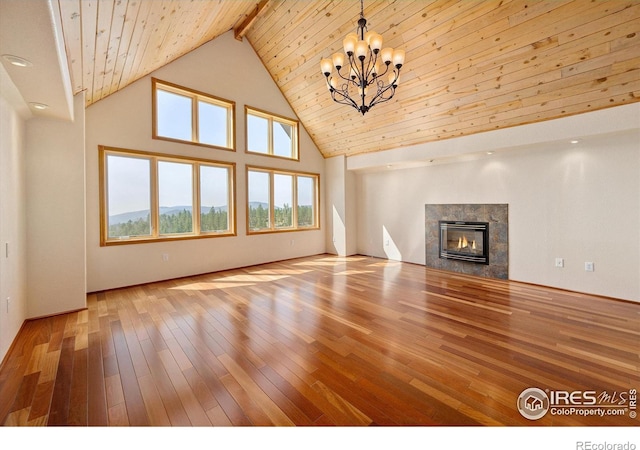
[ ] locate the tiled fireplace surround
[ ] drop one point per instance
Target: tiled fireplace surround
(497, 215)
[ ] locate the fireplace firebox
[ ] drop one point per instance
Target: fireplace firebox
(464, 241)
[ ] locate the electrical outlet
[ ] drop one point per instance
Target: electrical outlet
(165, 257)
(292, 243)
(588, 266)
(559, 262)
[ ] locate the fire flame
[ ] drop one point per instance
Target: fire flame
(463, 243)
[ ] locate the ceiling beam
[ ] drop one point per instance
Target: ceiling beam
(240, 30)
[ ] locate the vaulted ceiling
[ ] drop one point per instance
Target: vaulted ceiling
(471, 65)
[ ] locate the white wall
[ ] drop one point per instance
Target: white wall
(580, 202)
(340, 203)
(225, 68)
(56, 269)
(13, 272)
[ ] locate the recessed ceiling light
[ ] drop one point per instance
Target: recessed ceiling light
(574, 141)
(489, 153)
(39, 106)
(17, 61)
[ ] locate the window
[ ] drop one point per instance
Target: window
(185, 115)
(281, 201)
(148, 197)
(268, 134)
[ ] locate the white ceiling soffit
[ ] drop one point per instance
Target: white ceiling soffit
(620, 120)
(32, 30)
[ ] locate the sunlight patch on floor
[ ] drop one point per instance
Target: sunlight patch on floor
(353, 272)
(331, 261)
(229, 282)
(280, 272)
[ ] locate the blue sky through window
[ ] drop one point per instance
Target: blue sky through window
(210, 118)
(214, 186)
(128, 184)
(175, 184)
(174, 115)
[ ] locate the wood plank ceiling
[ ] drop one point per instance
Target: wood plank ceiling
(471, 65)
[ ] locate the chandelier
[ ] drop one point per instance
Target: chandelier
(361, 83)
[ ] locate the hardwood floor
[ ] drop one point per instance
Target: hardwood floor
(320, 341)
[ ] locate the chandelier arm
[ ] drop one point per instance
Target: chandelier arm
(344, 98)
(380, 100)
(379, 97)
(353, 64)
(363, 82)
(347, 78)
(371, 62)
(380, 75)
(348, 103)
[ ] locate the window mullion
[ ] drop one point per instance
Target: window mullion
(231, 207)
(196, 208)
(316, 201)
(294, 200)
(294, 142)
(195, 122)
(155, 206)
(104, 196)
(271, 150)
(272, 208)
(231, 137)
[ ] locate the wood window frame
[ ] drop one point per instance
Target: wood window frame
(195, 97)
(295, 139)
(155, 158)
(295, 175)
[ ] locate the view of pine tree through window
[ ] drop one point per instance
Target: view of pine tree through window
(274, 210)
(129, 192)
(283, 200)
(214, 216)
(129, 196)
(306, 194)
(175, 194)
(259, 200)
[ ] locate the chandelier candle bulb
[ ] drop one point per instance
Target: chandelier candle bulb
(327, 66)
(361, 50)
(387, 55)
(349, 43)
(338, 60)
(368, 35)
(398, 58)
(376, 42)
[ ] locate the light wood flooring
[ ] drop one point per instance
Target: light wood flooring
(320, 340)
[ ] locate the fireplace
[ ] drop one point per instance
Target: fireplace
(464, 241)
